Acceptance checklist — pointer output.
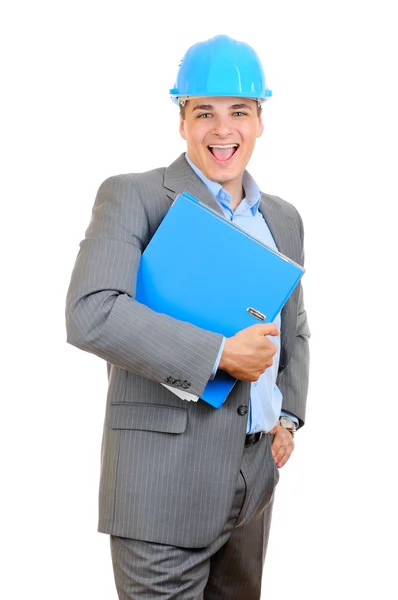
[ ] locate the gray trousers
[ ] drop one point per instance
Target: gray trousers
(229, 568)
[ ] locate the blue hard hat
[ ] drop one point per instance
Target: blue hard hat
(221, 66)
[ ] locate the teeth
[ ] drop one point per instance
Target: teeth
(223, 146)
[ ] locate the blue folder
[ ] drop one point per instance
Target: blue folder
(201, 268)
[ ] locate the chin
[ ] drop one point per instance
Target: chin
(222, 175)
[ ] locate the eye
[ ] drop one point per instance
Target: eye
(239, 113)
(204, 116)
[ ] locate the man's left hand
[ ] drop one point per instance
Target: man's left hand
(282, 446)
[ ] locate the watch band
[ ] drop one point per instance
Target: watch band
(288, 424)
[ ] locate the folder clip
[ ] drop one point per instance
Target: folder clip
(257, 314)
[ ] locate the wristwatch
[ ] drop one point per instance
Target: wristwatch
(288, 424)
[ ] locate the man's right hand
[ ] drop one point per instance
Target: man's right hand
(249, 352)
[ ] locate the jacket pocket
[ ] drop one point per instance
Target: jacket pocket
(148, 417)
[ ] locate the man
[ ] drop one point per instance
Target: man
(186, 490)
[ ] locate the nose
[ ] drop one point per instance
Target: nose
(222, 126)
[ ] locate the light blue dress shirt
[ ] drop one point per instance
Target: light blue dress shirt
(265, 396)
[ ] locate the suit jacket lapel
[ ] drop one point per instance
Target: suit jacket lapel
(179, 177)
(280, 225)
(282, 229)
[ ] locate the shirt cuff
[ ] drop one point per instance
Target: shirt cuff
(214, 371)
(284, 413)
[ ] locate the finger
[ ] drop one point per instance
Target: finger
(282, 439)
(265, 345)
(276, 444)
(282, 461)
(281, 451)
(280, 455)
(267, 329)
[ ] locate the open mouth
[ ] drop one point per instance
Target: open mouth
(223, 152)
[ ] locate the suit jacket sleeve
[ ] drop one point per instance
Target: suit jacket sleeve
(293, 380)
(102, 315)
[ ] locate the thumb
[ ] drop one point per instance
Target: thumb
(268, 329)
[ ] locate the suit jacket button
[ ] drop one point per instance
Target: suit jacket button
(185, 384)
(242, 410)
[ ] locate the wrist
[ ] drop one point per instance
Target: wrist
(224, 360)
(288, 424)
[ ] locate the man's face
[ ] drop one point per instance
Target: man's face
(221, 134)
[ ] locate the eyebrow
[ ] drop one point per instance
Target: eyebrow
(211, 107)
(237, 106)
(203, 107)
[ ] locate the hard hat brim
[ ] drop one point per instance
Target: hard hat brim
(176, 96)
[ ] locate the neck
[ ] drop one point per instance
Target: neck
(236, 191)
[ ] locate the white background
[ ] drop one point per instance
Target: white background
(85, 96)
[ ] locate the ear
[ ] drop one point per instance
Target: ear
(182, 129)
(260, 126)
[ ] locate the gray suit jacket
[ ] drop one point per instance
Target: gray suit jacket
(169, 467)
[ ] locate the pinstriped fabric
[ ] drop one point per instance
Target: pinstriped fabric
(287, 228)
(102, 316)
(146, 417)
(169, 467)
(183, 482)
(293, 381)
(230, 567)
(180, 575)
(261, 476)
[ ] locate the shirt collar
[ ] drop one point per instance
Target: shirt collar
(252, 191)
